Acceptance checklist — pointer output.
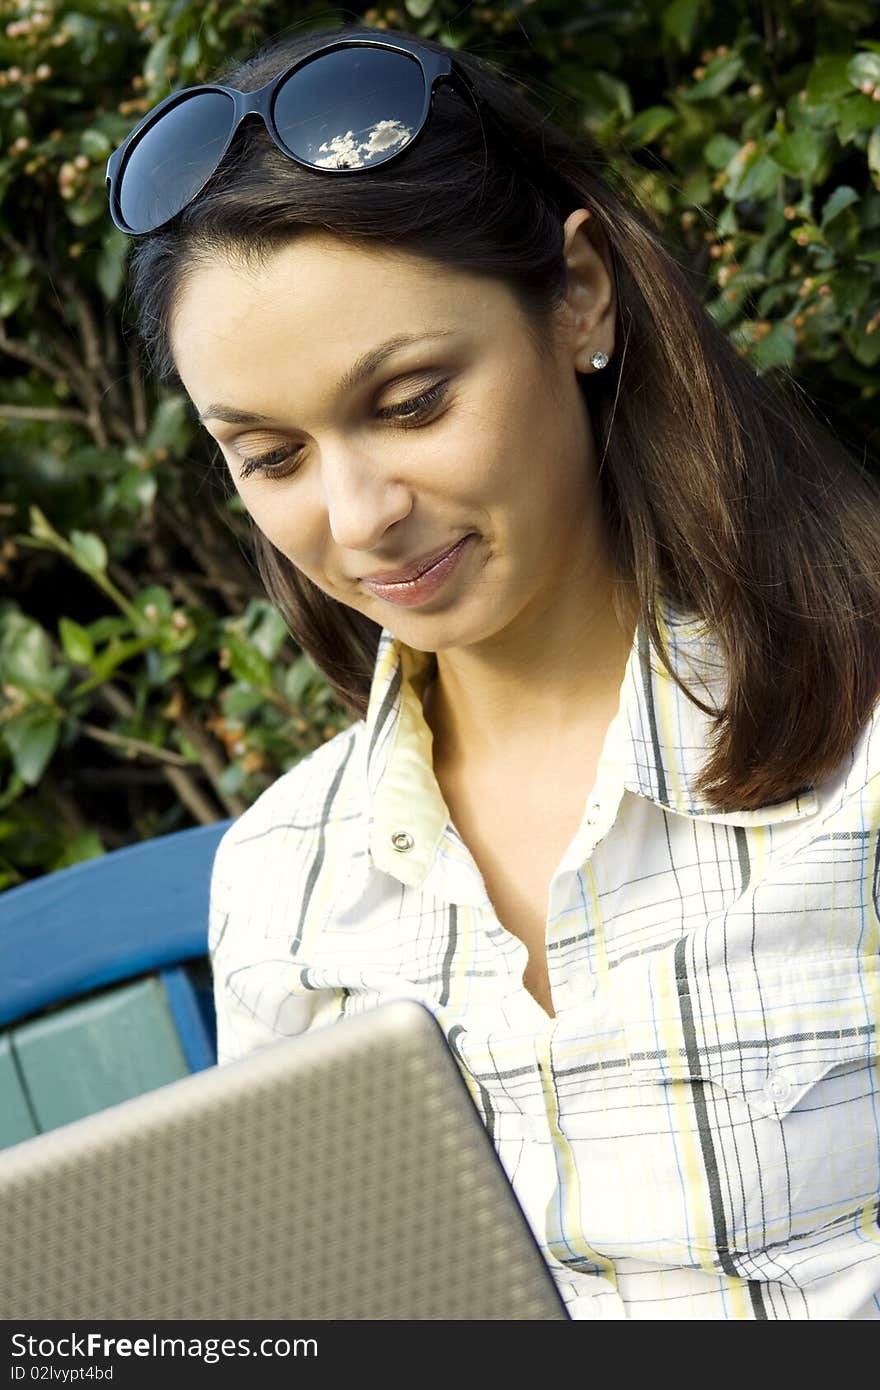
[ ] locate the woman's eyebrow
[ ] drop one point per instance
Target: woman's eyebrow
(368, 363)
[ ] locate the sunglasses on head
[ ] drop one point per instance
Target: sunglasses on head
(351, 105)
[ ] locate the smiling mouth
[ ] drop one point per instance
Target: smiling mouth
(413, 571)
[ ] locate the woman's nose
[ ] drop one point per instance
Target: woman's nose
(362, 498)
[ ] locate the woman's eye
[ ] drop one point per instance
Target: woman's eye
(277, 464)
(270, 464)
(417, 406)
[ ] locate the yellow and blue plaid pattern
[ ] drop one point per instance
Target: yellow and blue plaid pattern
(696, 1134)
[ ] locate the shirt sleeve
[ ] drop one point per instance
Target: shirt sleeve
(256, 998)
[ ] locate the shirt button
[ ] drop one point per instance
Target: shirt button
(593, 814)
(777, 1088)
(402, 840)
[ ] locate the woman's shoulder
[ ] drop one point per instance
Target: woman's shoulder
(303, 800)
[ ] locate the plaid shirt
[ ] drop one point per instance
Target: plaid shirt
(696, 1134)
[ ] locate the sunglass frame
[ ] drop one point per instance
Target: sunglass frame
(435, 67)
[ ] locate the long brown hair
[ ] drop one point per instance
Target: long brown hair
(716, 494)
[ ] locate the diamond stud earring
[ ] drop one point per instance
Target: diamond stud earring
(599, 360)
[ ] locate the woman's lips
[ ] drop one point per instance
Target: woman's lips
(412, 571)
(426, 580)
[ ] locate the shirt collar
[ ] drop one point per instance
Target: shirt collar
(656, 745)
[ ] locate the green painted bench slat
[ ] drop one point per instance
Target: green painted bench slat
(105, 1049)
(15, 1117)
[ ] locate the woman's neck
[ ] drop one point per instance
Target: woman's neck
(557, 686)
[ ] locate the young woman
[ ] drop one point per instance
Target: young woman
(606, 618)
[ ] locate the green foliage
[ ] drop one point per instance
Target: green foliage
(145, 683)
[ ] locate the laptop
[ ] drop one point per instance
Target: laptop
(344, 1174)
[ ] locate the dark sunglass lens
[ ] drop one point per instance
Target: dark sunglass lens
(351, 108)
(171, 162)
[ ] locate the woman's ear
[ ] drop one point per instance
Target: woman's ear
(590, 302)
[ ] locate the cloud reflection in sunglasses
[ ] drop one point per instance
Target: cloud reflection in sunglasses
(345, 152)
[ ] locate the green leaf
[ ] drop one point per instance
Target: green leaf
(109, 626)
(828, 79)
(864, 67)
(855, 113)
(614, 94)
(727, 223)
(719, 151)
(203, 681)
(89, 209)
(760, 179)
(874, 152)
(110, 270)
(25, 656)
(265, 627)
(41, 526)
(76, 642)
(162, 666)
(418, 8)
(680, 20)
(56, 680)
(136, 490)
(865, 347)
(776, 294)
(231, 779)
(89, 550)
(191, 53)
(86, 845)
(851, 289)
(156, 63)
(776, 350)
(95, 144)
(13, 791)
(299, 677)
(241, 700)
(649, 124)
(170, 428)
(719, 75)
(155, 596)
(90, 462)
(246, 663)
(839, 199)
(797, 153)
(106, 662)
(12, 293)
(32, 738)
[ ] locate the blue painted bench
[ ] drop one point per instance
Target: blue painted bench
(105, 985)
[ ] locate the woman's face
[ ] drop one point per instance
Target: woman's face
(464, 429)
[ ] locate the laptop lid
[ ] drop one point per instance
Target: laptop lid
(344, 1174)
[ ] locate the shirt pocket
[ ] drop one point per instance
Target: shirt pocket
(760, 1087)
